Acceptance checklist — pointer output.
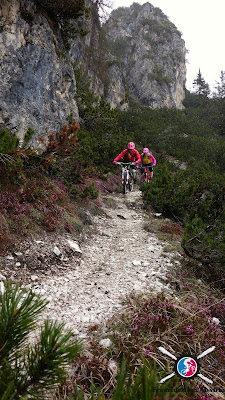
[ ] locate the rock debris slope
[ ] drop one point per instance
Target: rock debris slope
(117, 256)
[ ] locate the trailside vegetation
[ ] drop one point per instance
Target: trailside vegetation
(44, 190)
(188, 183)
(30, 369)
(183, 324)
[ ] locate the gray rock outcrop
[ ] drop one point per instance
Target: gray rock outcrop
(37, 80)
(146, 57)
(138, 55)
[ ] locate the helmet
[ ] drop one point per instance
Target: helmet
(145, 150)
(131, 146)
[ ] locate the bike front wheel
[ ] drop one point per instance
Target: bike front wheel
(143, 178)
(125, 183)
(131, 183)
(131, 186)
(124, 187)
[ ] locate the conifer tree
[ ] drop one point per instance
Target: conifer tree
(200, 85)
(30, 370)
(220, 87)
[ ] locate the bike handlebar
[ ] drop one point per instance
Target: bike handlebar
(123, 163)
(146, 166)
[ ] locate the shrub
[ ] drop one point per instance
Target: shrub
(98, 375)
(195, 198)
(90, 191)
(6, 239)
(28, 135)
(158, 75)
(172, 228)
(8, 142)
(185, 325)
(100, 137)
(29, 369)
(38, 202)
(119, 47)
(63, 9)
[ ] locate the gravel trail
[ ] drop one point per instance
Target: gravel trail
(118, 257)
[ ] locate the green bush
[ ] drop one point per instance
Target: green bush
(195, 198)
(90, 191)
(28, 135)
(8, 142)
(63, 9)
(188, 183)
(29, 369)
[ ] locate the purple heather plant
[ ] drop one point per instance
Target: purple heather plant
(149, 323)
(50, 198)
(172, 228)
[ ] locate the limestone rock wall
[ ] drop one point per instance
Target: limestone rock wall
(37, 80)
(148, 53)
(138, 55)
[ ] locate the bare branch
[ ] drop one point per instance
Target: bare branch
(6, 157)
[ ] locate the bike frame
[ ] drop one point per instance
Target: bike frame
(127, 176)
(145, 175)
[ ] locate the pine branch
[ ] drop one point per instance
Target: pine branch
(18, 312)
(45, 363)
(25, 369)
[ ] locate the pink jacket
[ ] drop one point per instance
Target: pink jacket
(127, 157)
(151, 157)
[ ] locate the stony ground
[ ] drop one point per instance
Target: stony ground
(87, 280)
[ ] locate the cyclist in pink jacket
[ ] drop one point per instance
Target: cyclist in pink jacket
(147, 160)
(130, 154)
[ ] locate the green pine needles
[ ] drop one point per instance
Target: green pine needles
(29, 370)
(8, 142)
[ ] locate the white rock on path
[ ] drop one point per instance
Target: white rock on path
(56, 251)
(136, 263)
(74, 246)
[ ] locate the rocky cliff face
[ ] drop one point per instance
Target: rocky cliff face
(146, 57)
(137, 55)
(37, 80)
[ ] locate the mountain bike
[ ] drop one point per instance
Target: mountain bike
(128, 176)
(145, 176)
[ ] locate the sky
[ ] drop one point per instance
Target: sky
(202, 24)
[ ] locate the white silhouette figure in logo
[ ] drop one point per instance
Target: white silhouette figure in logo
(188, 364)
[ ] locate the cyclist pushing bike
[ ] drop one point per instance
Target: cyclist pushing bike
(147, 162)
(130, 154)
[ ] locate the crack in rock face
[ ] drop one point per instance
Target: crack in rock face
(86, 279)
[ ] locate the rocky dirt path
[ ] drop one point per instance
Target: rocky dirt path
(117, 256)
